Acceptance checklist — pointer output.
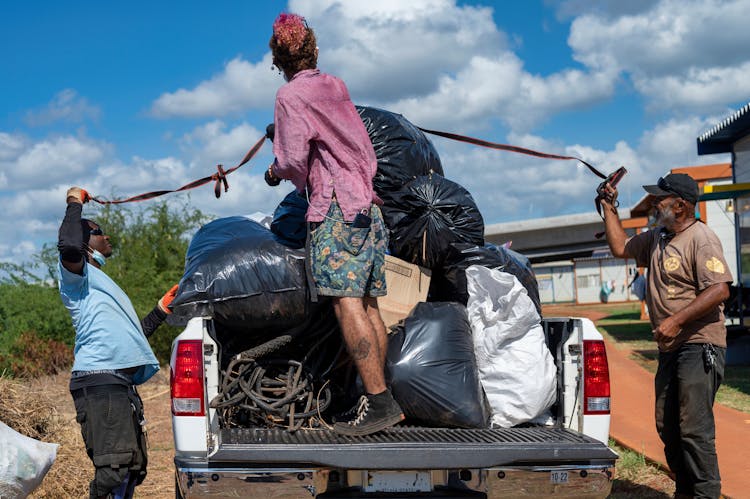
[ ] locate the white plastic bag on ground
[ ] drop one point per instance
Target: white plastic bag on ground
(23, 462)
(515, 366)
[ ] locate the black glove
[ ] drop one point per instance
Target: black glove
(270, 178)
(270, 131)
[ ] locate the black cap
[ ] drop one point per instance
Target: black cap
(675, 184)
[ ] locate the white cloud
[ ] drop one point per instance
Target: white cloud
(66, 106)
(211, 143)
(672, 144)
(358, 41)
(700, 89)
(11, 145)
(489, 88)
(673, 50)
(432, 60)
(391, 50)
(240, 86)
(509, 186)
(43, 163)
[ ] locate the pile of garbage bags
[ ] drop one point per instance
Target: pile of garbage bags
(454, 361)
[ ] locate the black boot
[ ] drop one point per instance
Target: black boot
(374, 413)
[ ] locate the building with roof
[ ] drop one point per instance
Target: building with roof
(573, 265)
(732, 136)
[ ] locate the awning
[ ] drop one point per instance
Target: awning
(724, 191)
(722, 137)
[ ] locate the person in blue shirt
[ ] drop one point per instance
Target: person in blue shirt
(111, 354)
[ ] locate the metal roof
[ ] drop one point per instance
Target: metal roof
(722, 136)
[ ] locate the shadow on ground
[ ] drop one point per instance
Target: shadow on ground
(634, 316)
(625, 488)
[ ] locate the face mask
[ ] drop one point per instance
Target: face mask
(98, 257)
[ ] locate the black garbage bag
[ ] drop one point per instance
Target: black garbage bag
(238, 274)
(432, 370)
(428, 215)
(449, 282)
(319, 325)
(403, 151)
(288, 223)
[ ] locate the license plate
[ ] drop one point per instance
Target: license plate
(558, 477)
(398, 481)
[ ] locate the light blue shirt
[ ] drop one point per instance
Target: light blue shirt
(108, 332)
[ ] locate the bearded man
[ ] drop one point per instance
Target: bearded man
(687, 287)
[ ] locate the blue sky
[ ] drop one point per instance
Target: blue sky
(123, 98)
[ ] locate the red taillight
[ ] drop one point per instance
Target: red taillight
(595, 378)
(186, 379)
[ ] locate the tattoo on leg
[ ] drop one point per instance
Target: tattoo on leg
(361, 350)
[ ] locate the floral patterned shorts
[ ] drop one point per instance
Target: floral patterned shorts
(346, 260)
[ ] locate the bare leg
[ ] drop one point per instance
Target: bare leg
(373, 312)
(362, 341)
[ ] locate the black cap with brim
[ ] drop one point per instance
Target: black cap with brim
(675, 184)
(656, 191)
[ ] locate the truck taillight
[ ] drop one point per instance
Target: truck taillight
(595, 378)
(186, 379)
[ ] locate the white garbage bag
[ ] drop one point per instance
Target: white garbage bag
(515, 366)
(23, 462)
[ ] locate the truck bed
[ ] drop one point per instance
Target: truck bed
(412, 448)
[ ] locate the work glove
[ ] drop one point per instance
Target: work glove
(166, 300)
(79, 195)
(270, 131)
(270, 178)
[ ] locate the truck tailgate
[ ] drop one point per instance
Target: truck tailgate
(413, 448)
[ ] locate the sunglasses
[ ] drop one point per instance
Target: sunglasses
(664, 184)
(96, 232)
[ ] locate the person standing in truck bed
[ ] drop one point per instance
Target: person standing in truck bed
(322, 146)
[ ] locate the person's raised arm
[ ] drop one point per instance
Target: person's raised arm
(70, 236)
(616, 236)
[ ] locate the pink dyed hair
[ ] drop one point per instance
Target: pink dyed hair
(290, 31)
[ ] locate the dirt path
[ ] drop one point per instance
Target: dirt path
(572, 310)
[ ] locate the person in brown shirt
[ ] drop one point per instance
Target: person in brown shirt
(687, 286)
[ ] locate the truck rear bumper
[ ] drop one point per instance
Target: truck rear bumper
(196, 481)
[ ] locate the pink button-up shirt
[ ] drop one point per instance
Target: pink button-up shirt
(321, 143)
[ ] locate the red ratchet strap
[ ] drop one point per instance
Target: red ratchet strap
(219, 178)
(505, 147)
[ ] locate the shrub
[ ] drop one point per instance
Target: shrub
(30, 356)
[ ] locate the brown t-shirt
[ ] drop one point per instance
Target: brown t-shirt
(679, 269)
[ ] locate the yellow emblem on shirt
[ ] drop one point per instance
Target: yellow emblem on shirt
(715, 265)
(671, 264)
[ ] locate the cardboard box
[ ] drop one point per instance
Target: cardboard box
(407, 285)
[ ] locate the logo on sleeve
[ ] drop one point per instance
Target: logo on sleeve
(715, 265)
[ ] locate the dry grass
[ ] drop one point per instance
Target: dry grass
(35, 409)
(635, 476)
(42, 408)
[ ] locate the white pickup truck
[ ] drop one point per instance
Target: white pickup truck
(568, 458)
